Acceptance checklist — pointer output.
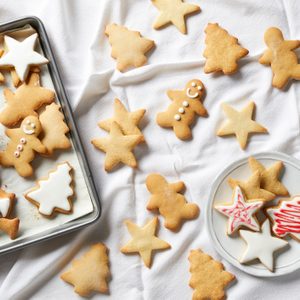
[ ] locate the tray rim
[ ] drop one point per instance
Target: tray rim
(62, 98)
(208, 219)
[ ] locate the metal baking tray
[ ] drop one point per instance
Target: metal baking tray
(61, 98)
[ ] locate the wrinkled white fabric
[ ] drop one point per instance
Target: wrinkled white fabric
(76, 32)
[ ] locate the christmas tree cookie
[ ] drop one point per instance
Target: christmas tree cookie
(90, 272)
(209, 279)
(54, 193)
(181, 113)
(222, 50)
(54, 129)
(127, 47)
(286, 218)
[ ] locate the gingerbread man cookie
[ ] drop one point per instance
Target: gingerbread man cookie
(181, 112)
(24, 102)
(172, 205)
(22, 145)
(281, 57)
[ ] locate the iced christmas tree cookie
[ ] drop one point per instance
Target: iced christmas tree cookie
(54, 193)
(285, 218)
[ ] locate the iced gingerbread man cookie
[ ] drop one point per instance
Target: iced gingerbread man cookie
(23, 143)
(181, 112)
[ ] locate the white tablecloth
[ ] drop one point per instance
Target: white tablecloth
(76, 31)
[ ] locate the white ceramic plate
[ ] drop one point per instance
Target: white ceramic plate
(232, 248)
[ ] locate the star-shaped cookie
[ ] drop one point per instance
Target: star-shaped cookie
(128, 121)
(269, 176)
(118, 147)
(174, 12)
(251, 188)
(21, 55)
(240, 213)
(144, 240)
(261, 245)
(6, 203)
(90, 272)
(240, 123)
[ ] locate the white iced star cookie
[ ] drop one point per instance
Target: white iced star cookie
(240, 213)
(21, 55)
(261, 245)
(53, 194)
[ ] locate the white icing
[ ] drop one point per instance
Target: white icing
(4, 206)
(28, 122)
(32, 125)
(54, 191)
(185, 103)
(21, 55)
(17, 154)
(27, 131)
(181, 110)
(20, 147)
(23, 141)
(177, 117)
(190, 95)
(261, 245)
(193, 84)
(199, 87)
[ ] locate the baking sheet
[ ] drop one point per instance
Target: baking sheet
(232, 248)
(31, 221)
